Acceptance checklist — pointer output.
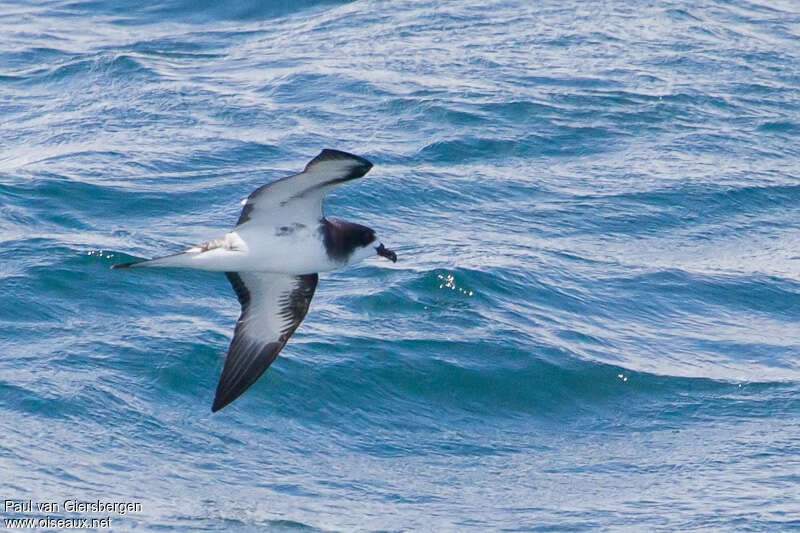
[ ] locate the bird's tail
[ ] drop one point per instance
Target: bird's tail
(212, 255)
(128, 265)
(174, 260)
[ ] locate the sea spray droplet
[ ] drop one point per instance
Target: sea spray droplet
(449, 282)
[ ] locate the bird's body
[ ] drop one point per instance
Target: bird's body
(292, 248)
(281, 241)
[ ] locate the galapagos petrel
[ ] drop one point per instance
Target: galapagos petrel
(281, 241)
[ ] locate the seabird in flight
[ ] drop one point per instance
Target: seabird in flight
(281, 241)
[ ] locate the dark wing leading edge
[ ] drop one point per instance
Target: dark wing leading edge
(273, 305)
(298, 198)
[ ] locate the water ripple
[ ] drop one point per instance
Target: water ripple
(595, 303)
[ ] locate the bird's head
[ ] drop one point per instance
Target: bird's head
(368, 246)
(350, 243)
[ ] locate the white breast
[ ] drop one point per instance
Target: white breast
(285, 249)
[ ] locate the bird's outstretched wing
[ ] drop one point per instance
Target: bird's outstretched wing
(298, 198)
(273, 305)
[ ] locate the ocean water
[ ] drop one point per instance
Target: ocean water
(594, 322)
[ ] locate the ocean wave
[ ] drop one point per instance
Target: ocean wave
(597, 283)
(187, 11)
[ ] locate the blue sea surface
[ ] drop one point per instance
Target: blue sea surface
(593, 324)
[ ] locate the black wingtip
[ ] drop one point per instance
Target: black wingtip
(243, 366)
(217, 405)
(225, 395)
(124, 265)
(361, 167)
(222, 398)
(331, 153)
